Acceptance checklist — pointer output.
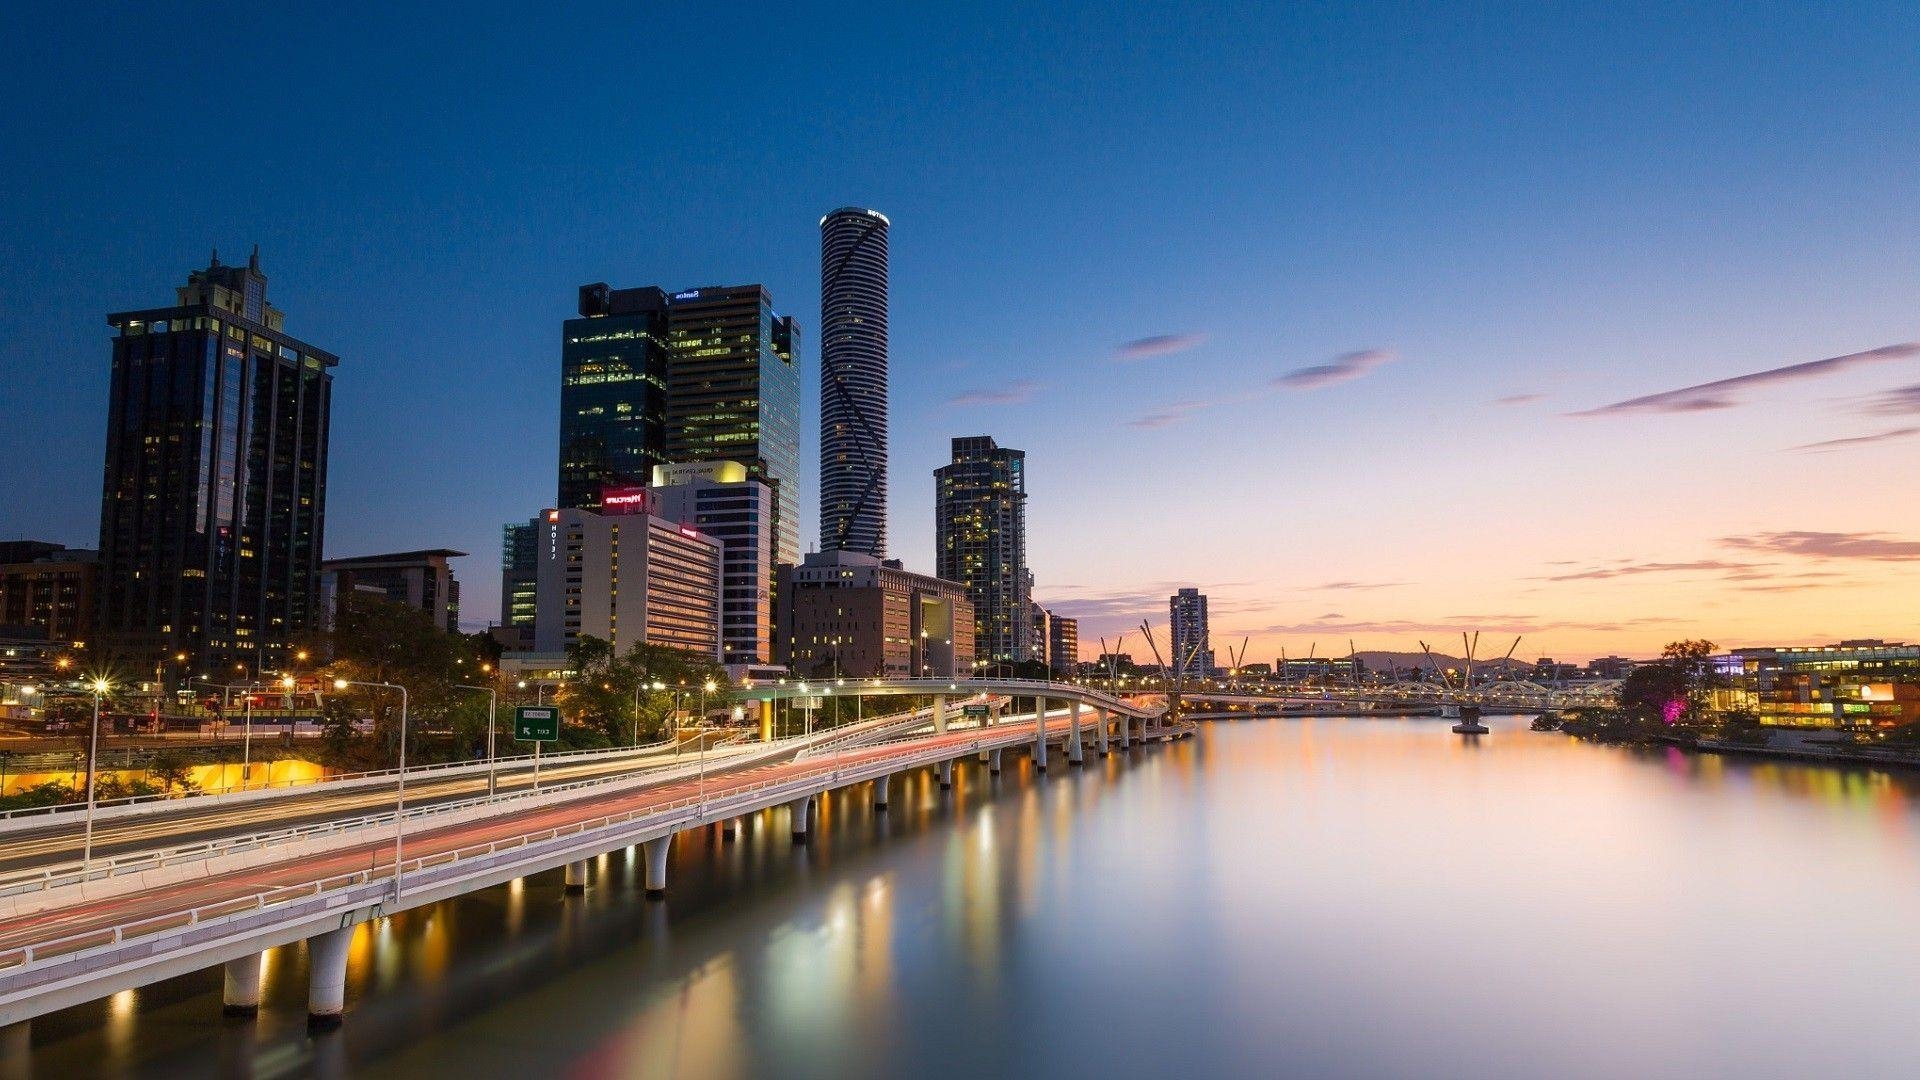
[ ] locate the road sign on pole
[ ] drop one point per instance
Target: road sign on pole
(536, 723)
(977, 712)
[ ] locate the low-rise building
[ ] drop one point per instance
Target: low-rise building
(848, 613)
(1063, 644)
(417, 579)
(1863, 683)
(47, 590)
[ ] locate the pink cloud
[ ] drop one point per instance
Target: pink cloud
(1725, 393)
(1344, 368)
(1158, 345)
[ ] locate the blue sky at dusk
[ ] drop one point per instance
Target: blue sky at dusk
(1296, 305)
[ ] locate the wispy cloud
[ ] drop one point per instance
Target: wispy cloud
(1344, 368)
(1358, 586)
(1169, 416)
(1857, 440)
(1875, 546)
(1454, 624)
(1903, 401)
(1725, 393)
(1147, 348)
(1017, 392)
(1519, 399)
(1602, 573)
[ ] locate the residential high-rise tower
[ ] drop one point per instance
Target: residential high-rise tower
(1192, 653)
(980, 541)
(853, 381)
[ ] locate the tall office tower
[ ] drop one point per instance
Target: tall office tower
(733, 394)
(519, 567)
(853, 381)
(215, 494)
(613, 393)
(980, 541)
(719, 499)
(1192, 654)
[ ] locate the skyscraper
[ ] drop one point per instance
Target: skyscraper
(980, 540)
(613, 392)
(733, 394)
(651, 378)
(214, 500)
(853, 381)
(1192, 653)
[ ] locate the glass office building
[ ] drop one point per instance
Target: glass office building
(613, 387)
(980, 541)
(214, 501)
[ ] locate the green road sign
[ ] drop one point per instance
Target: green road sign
(536, 723)
(977, 712)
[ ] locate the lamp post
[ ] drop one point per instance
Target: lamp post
(400, 787)
(493, 701)
(100, 687)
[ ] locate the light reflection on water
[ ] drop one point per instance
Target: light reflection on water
(1306, 897)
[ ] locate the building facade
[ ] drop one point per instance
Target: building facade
(613, 392)
(417, 579)
(980, 541)
(853, 381)
(1063, 644)
(1192, 647)
(214, 503)
(1854, 684)
(842, 613)
(628, 578)
(519, 579)
(719, 499)
(733, 394)
(47, 590)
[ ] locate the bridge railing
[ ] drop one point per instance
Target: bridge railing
(59, 875)
(73, 947)
(434, 769)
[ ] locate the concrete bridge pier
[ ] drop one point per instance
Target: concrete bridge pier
(1100, 731)
(241, 994)
(766, 720)
(656, 852)
(576, 878)
(1126, 733)
(797, 810)
(327, 978)
(939, 714)
(730, 828)
(1040, 734)
(16, 1050)
(1075, 755)
(880, 786)
(993, 762)
(944, 770)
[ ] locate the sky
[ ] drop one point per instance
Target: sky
(1592, 325)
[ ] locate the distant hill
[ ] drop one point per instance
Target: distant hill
(1380, 661)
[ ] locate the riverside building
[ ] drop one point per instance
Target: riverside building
(843, 613)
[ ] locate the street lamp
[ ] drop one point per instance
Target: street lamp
(100, 687)
(400, 788)
(493, 700)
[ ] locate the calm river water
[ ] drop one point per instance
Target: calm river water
(1369, 898)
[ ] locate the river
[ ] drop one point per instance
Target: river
(1315, 897)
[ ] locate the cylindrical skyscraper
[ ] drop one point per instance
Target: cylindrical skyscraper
(853, 381)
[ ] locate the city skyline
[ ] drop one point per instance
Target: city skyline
(1551, 387)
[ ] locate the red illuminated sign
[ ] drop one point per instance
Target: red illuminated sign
(625, 500)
